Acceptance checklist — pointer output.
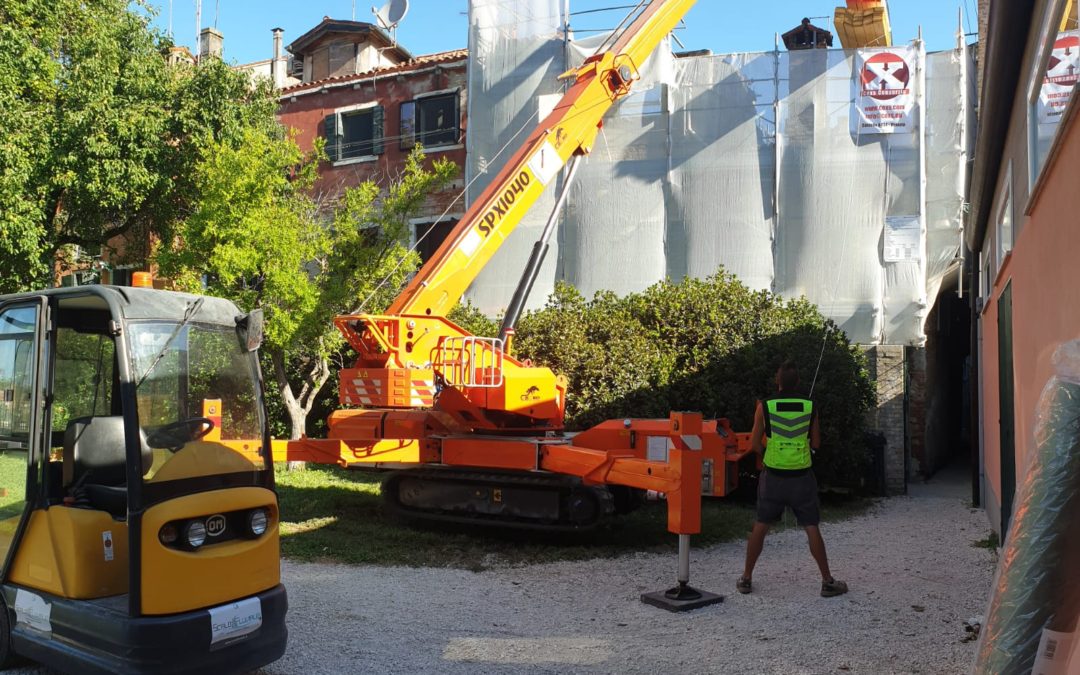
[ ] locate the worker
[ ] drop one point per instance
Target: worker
(786, 429)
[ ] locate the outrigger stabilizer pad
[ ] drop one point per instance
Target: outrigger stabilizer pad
(681, 598)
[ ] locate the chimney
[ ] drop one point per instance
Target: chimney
(210, 43)
(278, 64)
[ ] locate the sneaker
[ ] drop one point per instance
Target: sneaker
(832, 588)
(744, 585)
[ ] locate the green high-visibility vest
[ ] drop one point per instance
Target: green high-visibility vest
(787, 443)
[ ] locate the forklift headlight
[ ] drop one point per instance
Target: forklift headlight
(257, 522)
(168, 534)
(195, 533)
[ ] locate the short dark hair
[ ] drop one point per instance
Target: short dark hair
(787, 376)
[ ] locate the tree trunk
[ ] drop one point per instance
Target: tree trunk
(299, 407)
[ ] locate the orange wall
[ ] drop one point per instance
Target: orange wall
(1044, 269)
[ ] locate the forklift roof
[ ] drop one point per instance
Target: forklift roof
(140, 303)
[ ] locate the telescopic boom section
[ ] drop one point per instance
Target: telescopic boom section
(570, 129)
(412, 356)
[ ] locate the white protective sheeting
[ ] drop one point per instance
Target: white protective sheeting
(744, 161)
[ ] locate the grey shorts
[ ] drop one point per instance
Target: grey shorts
(799, 492)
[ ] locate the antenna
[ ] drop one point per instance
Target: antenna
(391, 14)
(198, 26)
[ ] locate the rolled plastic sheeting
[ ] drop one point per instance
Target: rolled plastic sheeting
(1035, 588)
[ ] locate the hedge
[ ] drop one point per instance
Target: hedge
(709, 345)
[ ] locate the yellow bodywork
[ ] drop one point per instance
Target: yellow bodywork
(200, 458)
(177, 581)
(571, 128)
(414, 335)
(333, 451)
(63, 552)
(863, 23)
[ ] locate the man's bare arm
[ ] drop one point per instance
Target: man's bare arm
(757, 435)
(815, 433)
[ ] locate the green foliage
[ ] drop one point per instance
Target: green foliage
(260, 237)
(711, 345)
(99, 137)
(466, 315)
(990, 542)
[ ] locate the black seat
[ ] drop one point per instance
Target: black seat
(95, 459)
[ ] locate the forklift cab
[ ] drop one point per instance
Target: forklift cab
(133, 540)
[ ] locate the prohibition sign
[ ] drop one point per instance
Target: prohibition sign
(885, 76)
(1062, 68)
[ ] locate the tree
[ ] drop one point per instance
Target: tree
(711, 345)
(262, 238)
(99, 137)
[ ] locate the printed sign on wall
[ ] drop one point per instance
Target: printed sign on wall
(903, 239)
(1062, 73)
(884, 91)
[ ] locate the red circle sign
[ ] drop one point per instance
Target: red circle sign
(1062, 69)
(885, 76)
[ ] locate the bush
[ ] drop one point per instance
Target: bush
(709, 345)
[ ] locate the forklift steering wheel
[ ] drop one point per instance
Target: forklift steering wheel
(175, 435)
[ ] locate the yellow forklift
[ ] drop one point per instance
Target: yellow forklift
(132, 539)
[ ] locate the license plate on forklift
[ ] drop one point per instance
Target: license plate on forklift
(235, 620)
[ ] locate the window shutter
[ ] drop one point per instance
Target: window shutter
(407, 129)
(377, 130)
(296, 67)
(333, 145)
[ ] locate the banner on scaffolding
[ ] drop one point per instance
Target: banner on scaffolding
(884, 91)
(1062, 73)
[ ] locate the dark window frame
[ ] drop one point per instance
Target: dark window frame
(415, 118)
(338, 146)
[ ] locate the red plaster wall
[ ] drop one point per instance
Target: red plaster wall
(305, 115)
(1043, 270)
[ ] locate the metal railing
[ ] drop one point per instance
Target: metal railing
(470, 361)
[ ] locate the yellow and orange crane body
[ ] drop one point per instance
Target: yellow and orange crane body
(476, 434)
(863, 23)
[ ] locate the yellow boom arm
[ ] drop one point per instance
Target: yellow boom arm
(570, 129)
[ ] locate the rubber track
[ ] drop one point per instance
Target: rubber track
(555, 482)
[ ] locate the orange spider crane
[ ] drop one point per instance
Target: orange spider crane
(472, 433)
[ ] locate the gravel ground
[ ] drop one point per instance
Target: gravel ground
(914, 577)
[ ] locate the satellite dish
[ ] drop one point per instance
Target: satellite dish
(391, 14)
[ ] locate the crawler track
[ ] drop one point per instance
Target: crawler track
(515, 500)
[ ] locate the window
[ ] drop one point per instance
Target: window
(430, 121)
(1005, 232)
(16, 374)
(1052, 87)
(342, 57)
(18, 402)
(986, 279)
(429, 236)
(296, 67)
(83, 380)
(354, 133)
(121, 276)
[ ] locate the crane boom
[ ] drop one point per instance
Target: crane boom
(569, 129)
(474, 434)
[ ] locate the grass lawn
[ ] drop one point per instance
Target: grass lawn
(330, 514)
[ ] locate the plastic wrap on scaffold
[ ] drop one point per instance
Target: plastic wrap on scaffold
(1036, 590)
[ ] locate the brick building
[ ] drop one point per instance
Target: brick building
(374, 102)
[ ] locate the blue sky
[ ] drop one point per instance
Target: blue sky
(438, 25)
